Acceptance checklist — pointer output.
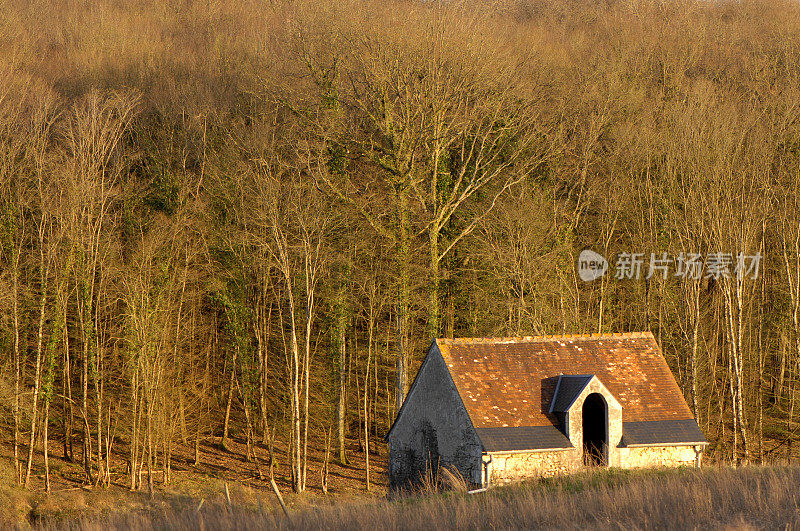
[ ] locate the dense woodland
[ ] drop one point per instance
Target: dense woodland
(248, 219)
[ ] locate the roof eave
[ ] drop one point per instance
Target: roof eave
(530, 451)
(650, 445)
(555, 394)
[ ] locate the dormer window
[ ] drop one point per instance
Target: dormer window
(590, 417)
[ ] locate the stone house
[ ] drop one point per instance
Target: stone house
(498, 410)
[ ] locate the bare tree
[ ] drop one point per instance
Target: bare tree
(94, 136)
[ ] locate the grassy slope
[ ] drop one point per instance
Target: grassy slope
(72, 499)
(711, 497)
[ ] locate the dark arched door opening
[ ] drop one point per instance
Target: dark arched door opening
(595, 430)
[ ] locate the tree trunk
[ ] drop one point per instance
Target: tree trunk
(135, 425)
(341, 416)
(44, 270)
(86, 436)
(693, 368)
(231, 381)
(307, 363)
(68, 413)
(17, 365)
(404, 302)
(433, 300)
(264, 329)
(371, 327)
(45, 435)
(99, 381)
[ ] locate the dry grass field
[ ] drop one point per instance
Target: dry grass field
(248, 484)
(717, 498)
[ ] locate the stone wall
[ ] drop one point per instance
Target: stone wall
(505, 468)
(656, 456)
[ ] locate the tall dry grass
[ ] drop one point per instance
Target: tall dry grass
(683, 499)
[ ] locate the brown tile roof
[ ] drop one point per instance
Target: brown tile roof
(510, 381)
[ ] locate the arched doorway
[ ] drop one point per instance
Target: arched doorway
(595, 430)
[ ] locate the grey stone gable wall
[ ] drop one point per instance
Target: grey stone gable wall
(433, 428)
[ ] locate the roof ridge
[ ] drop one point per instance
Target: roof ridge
(555, 337)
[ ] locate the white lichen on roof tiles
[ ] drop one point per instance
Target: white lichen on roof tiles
(546, 337)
